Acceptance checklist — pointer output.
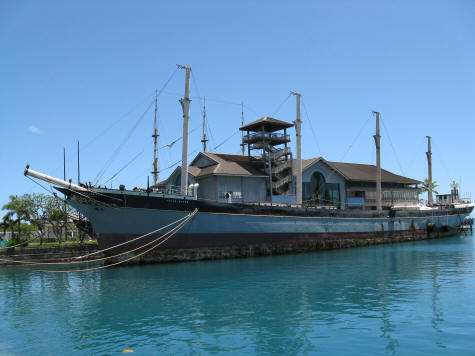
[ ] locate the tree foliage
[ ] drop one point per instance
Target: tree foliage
(39, 211)
(425, 186)
(17, 211)
(7, 222)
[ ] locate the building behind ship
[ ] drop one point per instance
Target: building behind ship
(270, 175)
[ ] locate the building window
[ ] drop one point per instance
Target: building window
(234, 195)
(318, 184)
(237, 195)
(177, 180)
(331, 194)
(318, 192)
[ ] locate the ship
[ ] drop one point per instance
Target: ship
(249, 205)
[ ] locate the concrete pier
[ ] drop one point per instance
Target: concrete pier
(167, 255)
(45, 253)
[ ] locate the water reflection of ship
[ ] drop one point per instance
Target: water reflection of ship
(286, 304)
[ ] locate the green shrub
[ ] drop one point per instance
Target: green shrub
(16, 241)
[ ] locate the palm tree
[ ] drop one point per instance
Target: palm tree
(4, 227)
(18, 207)
(425, 186)
(8, 222)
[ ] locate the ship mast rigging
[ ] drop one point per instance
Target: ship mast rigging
(377, 141)
(155, 143)
(185, 105)
(204, 139)
(298, 133)
(430, 199)
(242, 132)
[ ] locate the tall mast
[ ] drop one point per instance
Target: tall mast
(204, 140)
(185, 105)
(242, 132)
(155, 141)
(79, 172)
(64, 163)
(429, 164)
(298, 133)
(64, 200)
(377, 141)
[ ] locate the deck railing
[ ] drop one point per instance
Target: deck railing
(265, 136)
(280, 153)
(281, 182)
(172, 190)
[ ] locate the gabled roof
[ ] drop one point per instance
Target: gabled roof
(193, 170)
(367, 173)
(270, 125)
(305, 164)
(357, 172)
(229, 164)
(233, 165)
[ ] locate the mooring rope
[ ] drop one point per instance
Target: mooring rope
(173, 230)
(129, 241)
(130, 258)
(98, 259)
(34, 263)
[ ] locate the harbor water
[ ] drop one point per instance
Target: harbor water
(414, 298)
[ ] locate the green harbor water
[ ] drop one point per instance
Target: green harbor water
(403, 299)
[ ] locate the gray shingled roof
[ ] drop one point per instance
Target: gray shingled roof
(270, 123)
(358, 172)
(193, 170)
(229, 164)
(367, 173)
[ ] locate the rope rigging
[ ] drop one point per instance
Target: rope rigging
(226, 140)
(281, 104)
(221, 101)
(356, 139)
(194, 84)
(178, 139)
(392, 146)
(171, 234)
(178, 162)
(202, 107)
(181, 222)
(121, 145)
(124, 167)
(126, 138)
(135, 239)
(311, 127)
(116, 122)
(208, 128)
(48, 190)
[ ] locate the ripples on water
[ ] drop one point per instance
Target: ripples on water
(412, 298)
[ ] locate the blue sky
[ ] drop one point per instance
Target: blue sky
(88, 71)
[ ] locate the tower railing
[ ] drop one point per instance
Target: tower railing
(280, 168)
(249, 138)
(281, 182)
(280, 152)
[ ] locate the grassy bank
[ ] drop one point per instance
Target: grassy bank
(64, 243)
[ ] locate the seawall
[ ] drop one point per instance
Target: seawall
(45, 253)
(267, 249)
(164, 255)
